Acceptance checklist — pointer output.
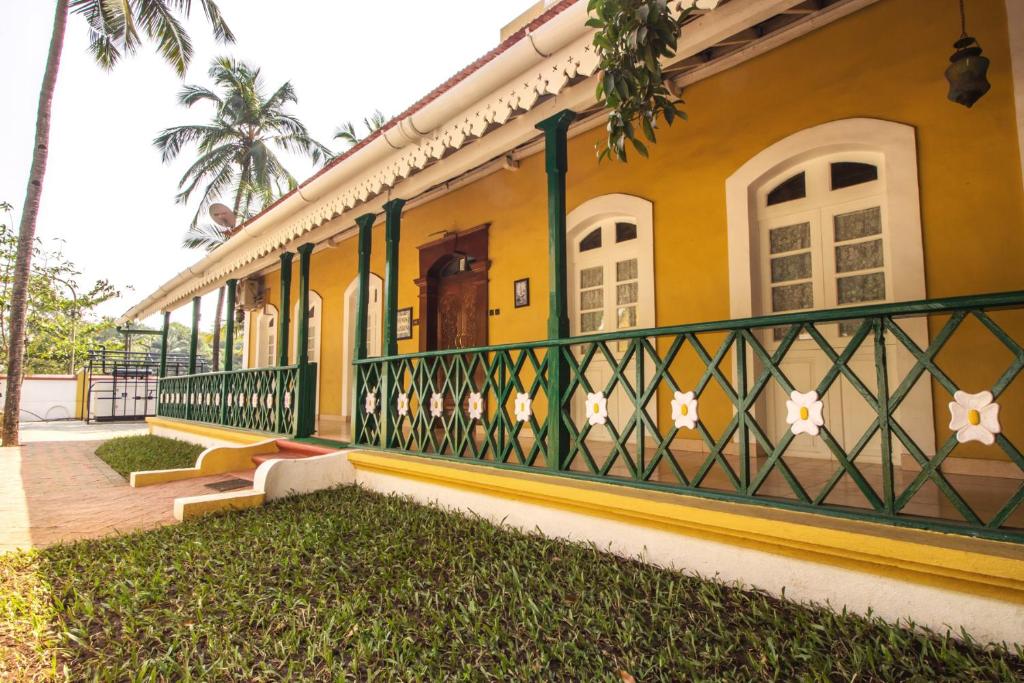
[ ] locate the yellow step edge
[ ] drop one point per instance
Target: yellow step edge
(212, 431)
(990, 568)
(190, 507)
(216, 460)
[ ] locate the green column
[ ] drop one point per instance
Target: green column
(555, 131)
(193, 345)
(229, 328)
(365, 223)
(305, 386)
(392, 233)
(302, 352)
(284, 315)
(164, 332)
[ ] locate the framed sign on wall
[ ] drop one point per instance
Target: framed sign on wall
(521, 292)
(403, 326)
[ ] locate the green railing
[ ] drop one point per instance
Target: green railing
(713, 409)
(276, 400)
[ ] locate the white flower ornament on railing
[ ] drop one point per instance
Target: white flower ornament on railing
(403, 404)
(974, 417)
(597, 408)
(684, 410)
(803, 413)
(371, 402)
(436, 405)
(523, 407)
(475, 406)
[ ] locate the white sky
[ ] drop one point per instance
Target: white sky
(108, 195)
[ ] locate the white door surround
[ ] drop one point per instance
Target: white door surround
(610, 268)
(374, 319)
(316, 314)
(266, 337)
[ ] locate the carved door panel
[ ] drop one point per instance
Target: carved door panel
(461, 320)
(462, 311)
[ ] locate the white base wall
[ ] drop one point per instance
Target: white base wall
(895, 601)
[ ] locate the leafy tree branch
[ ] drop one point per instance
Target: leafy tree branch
(632, 37)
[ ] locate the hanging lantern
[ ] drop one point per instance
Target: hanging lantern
(967, 68)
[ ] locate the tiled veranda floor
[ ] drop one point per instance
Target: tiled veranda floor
(58, 490)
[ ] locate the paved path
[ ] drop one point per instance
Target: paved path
(59, 490)
(76, 430)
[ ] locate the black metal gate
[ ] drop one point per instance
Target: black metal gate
(121, 385)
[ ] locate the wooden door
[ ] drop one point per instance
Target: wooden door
(461, 322)
(462, 310)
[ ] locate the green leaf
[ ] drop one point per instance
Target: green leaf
(640, 147)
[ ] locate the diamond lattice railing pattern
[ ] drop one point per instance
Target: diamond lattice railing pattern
(276, 400)
(841, 412)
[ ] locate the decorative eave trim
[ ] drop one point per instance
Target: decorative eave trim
(574, 63)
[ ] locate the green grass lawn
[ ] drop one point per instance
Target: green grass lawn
(352, 585)
(127, 454)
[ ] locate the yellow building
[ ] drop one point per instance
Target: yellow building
(807, 300)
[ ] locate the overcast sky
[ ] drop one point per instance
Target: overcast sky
(107, 194)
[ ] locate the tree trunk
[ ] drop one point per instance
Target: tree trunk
(216, 329)
(27, 230)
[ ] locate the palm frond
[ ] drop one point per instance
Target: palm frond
(204, 236)
(221, 31)
(191, 94)
(160, 24)
(375, 121)
(116, 28)
(171, 140)
(346, 132)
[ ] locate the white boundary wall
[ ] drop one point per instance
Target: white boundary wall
(45, 397)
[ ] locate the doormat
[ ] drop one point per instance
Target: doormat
(230, 484)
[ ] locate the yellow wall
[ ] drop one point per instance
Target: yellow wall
(886, 61)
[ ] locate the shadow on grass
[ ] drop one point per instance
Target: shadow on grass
(352, 584)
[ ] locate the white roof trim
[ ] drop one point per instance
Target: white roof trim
(500, 91)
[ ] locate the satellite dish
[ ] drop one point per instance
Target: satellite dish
(222, 216)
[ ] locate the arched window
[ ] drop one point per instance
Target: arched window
(266, 337)
(824, 241)
(610, 245)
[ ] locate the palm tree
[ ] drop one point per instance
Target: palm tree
(236, 151)
(116, 29)
(235, 147)
(347, 132)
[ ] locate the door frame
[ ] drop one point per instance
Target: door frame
(897, 145)
(579, 223)
(473, 244)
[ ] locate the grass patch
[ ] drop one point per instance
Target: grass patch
(352, 585)
(127, 454)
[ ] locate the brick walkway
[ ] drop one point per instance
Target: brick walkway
(60, 491)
